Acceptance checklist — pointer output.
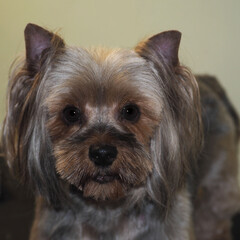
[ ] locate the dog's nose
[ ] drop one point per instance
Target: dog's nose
(102, 155)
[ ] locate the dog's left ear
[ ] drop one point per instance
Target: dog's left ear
(163, 46)
(177, 140)
(39, 42)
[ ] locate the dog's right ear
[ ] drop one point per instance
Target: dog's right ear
(39, 42)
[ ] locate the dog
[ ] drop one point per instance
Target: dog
(121, 144)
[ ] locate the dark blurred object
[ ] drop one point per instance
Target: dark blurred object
(236, 227)
(16, 207)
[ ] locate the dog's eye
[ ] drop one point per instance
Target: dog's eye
(130, 112)
(71, 114)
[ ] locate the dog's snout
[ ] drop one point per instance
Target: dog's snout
(102, 155)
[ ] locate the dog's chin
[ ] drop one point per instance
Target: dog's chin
(104, 188)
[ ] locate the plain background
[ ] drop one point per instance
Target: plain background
(210, 31)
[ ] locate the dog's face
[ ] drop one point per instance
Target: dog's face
(102, 114)
(108, 122)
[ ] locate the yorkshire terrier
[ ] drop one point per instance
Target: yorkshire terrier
(121, 144)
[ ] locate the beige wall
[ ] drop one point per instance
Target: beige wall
(210, 28)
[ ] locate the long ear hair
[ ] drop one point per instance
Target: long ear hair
(178, 139)
(24, 139)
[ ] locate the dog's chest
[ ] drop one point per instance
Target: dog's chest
(125, 228)
(110, 225)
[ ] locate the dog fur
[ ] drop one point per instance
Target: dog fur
(174, 170)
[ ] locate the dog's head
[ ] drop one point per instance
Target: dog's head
(111, 123)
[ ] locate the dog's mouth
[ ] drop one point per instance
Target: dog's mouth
(100, 179)
(101, 187)
(105, 178)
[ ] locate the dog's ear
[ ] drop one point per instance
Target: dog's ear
(24, 140)
(38, 42)
(164, 45)
(178, 138)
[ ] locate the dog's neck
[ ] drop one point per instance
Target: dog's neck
(87, 219)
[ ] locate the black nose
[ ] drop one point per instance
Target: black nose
(102, 155)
